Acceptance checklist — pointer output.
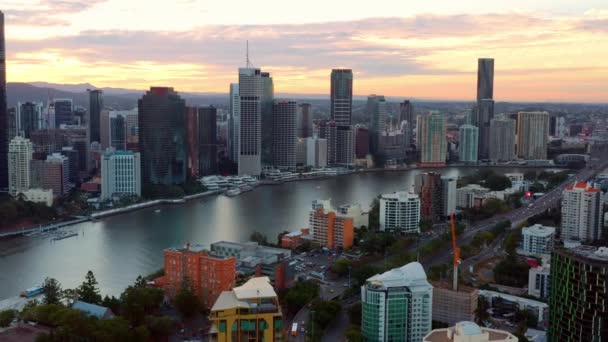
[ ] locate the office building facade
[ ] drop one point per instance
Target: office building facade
(579, 288)
(431, 139)
(304, 125)
(63, 111)
(539, 281)
(235, 123)
(406, 113)
(250, 138)
(28, 118)
(428, 186)
(400, 212)
(120, 174)
(19, 158)
(341, 92)
(329, 131)
(448, 195)
(467, 145)
(532, 135)
(284, 136)
(207, 141)
(582, 210)
(376, 110)
(397, 305)
(502, 139)
(162, 137)
(485, 104)
(95, 108)
(267, 130)
(450, 307)
(316, 152)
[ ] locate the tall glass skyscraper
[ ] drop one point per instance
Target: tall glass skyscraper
(341, 96)
(502, 139)
(251, 91)
(95, 107)
(376, 109)
(485, 104)
(406, 113)
(3, 111)
(235, 122)
(207, 143)
(579, 294)
(267, 119)
(284, 136)
(162, 137)
(467, 144)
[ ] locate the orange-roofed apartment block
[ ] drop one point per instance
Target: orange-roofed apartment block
(207, 273)
(329, 229)
(582, 208)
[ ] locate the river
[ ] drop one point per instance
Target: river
(119, 248)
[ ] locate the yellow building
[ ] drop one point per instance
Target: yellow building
(248, 313)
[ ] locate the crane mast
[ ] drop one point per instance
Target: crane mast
(456, 261)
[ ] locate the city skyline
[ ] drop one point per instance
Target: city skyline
(537, 47)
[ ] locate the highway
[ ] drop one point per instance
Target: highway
(551, 199)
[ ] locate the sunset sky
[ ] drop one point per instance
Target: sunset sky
(545, 50)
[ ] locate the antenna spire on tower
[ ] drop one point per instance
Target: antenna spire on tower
(248, 62)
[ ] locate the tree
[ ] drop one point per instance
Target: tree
(353, 334)
(497, 182)
(481, 312)
(363, 272)
(137, 301)
(111, 303)
(6, 317)
(52, 291)
(301, 294)
(186, 302)
(511, 272)
(160, 326)
(374, 215)
(325, 313)
(341, 266)
(260, 238)
(88, 291)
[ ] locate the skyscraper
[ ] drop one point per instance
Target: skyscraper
(341, 96)
(162, 137)
(19, 156)
(502, 139)
(207, 146)
(532, 135)
(120, 174)
(267, 119)
(3, 111)
(397, 305)
(328, 131)
(448, 195)
(467, 146)
(579, 290)
(284, 134)
(431, 139)
(235, 122)
(428, 186)
(63, 110)
(192, 140)
(582, 210)
(345, 146)
(485, 104)
(361, 142)
(250, 139)
(376, 110)
(304, 120)
(406, 113)
(400, 212)
(95, 107)
(28, 118)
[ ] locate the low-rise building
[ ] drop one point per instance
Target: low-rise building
(503, 300)
(469, 332)
(295, 239)
(400, 211)
(356, 212)
(537, 240)
(39, 196)
(451, 306)
(329, 229)
(471, 196)
(254, 259)
(208, 274)
(539, 283)
(250, 312)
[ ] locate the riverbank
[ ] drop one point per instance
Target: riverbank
(105, 213)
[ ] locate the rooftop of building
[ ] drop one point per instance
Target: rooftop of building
(596, 254)
(447, 285)
(241, 296)
(473, 187)
(400, 195)
(90, 309)
(582, 186)
(251, 245)
(539, 230)
(410, 275)
(468, 331)
(512, 298)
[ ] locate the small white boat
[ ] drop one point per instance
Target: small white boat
(157, 211)
(233, 192)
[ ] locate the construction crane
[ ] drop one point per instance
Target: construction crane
(457, 260)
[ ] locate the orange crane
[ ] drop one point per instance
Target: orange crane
(457, 260)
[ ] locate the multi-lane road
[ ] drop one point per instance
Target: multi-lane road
(550, 199)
